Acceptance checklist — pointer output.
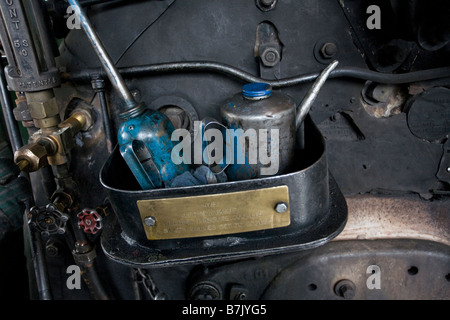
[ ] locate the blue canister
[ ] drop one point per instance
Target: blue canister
(146, 146)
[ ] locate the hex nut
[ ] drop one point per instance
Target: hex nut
(205, 291)
(149, 221)
(35, 154)
(43, 109)
(281, 207)
(270, 57)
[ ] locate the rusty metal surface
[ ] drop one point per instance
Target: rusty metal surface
(397, 217)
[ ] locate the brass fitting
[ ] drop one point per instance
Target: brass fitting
(43, 108)
(79, 120)
(53, 146)
(62, 199)
(63, 139)
(34, 156)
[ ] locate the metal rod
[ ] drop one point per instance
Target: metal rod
(41, 268)
(207, 66)
(87, 3)
(110, 137)
(33, 246)
(111, 72)
(308, 100)
(34, 243)
(7, 107)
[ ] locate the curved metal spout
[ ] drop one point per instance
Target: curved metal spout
(305, 106)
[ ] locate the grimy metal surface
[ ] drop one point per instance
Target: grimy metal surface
(378, 270)
(372, 217)
(366, 269)
(204, 51)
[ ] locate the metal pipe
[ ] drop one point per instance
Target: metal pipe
(7, 108)
(98, 85)
(84, 254)
(111, 72)
(39, 262)
(93, 282)
(110, 136)
(33, 246)
(308, 100)
(33, 239)
(88, 3)
(206, 66)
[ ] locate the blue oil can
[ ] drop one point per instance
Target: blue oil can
(145, 144)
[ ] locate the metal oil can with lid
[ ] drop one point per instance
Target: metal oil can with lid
(257, 110)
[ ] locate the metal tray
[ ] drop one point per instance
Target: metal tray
(317, 213)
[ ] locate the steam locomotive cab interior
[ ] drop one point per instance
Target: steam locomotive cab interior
(225, 150)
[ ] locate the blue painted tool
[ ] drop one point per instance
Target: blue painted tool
(145, 136)
(146, 145)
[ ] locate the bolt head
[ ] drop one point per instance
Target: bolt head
(98, 84)
(270, 57)
(345, 289)
(266, 5)
(329, 50)
(149, 221)
(52, 250)
(281, 207)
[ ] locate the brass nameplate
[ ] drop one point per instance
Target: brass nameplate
(217, 214)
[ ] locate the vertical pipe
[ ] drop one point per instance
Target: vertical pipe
(7, 108)
(98, 85)
(110, 141)
(33, 246)
(33, 239)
